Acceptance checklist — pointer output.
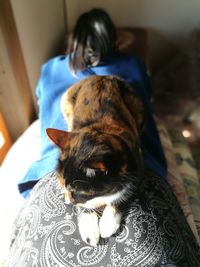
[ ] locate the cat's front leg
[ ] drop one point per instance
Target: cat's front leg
(110, 221)
(89, 228)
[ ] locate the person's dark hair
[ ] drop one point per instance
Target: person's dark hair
(93, 38)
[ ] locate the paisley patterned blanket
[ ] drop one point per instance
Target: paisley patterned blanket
(154, 233)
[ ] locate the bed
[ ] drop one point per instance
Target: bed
(17, 162)
(26, 150)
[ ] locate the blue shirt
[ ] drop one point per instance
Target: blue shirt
(56, 77)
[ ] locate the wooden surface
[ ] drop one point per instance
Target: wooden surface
(5, 141)
(12, 62)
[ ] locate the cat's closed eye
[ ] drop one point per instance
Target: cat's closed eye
(81, 197)
(90, 172)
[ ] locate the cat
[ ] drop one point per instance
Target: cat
(100, 154)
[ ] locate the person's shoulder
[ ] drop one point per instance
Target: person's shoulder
(56, 70)
(126, 58)
(55, 63)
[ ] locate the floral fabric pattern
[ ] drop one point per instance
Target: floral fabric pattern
(188, 170)
(175, 173)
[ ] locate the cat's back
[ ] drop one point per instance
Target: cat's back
(96, 97)
(95, 91)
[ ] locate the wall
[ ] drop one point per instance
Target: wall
(168, 21)
(40, 25)
(10, 106)
(30, 33)
(16, 103)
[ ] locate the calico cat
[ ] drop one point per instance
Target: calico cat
(100, 154)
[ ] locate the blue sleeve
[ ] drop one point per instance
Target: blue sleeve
(140, 78)
(146, 79)
(154, 158)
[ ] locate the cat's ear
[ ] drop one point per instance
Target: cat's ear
(59, 137)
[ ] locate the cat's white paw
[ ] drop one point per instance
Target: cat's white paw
(109, 222)
(89, 228)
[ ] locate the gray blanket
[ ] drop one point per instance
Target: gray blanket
(154, 233)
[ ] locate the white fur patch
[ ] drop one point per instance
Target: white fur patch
(109, 222)
(89, 228)
(105, 200)
(67, 110)
(68, 197)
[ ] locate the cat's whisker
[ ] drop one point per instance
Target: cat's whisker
(130, 177)
(80, 181)
(90, 210)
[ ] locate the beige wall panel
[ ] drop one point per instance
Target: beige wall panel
(40, 25)
(12, 111)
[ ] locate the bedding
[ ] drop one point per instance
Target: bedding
(22, 154)
(186, 166)
(178, 83)
(18, 160)
(154, 232)
(173, 148)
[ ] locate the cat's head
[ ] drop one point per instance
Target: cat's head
(95, 169)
